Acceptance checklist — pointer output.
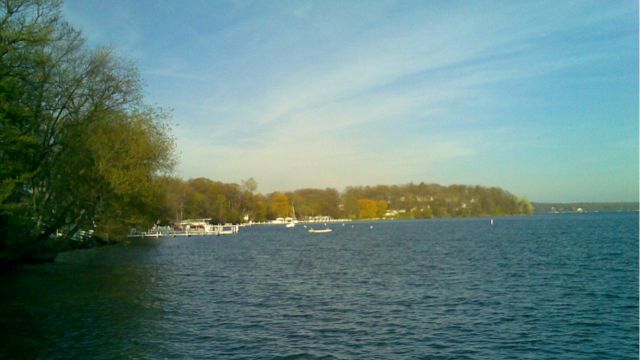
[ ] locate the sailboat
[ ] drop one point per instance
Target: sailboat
(292, 224)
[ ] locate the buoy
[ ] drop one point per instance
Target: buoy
(491, 221)
(370, 226)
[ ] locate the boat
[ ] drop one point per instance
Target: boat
(321, 231)
(227, 229)
(188, 228)
(292, 223)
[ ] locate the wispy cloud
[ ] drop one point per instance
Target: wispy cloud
(331, 94)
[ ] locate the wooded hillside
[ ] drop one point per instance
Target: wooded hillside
(204, 198)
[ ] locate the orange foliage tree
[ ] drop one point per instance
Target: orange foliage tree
(368, 209)
(280, 206)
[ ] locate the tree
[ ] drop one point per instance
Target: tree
(173, 198)
(250, 185)
(314, 202)
(280, 206)
(368, 208)
(524, 206)
(381, 208)
(78, 148)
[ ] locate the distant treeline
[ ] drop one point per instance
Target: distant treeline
(422, 200)
(585, 207)
(223, 202)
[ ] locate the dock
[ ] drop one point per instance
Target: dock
(189, 228)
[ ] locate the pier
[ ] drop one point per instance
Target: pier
(188, 228)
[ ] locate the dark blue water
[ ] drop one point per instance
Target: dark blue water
(537, 287)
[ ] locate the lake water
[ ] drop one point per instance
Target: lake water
(549, 286)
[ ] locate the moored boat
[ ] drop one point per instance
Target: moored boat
(320, 231)
(188, 228)
(291, 222)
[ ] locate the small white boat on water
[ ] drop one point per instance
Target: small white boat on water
(320, 231)
(293, 221)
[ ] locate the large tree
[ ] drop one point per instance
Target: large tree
(78, 148)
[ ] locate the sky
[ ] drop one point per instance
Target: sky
(537, 97)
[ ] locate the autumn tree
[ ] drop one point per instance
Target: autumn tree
(368, 209)
(280, 206)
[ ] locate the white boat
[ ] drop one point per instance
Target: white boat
(292, 223)
(321, 231)
(228, 229)
(188, 228)
(191, 227)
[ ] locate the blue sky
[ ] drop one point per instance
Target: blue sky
(540, 98)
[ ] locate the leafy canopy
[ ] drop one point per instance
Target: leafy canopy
(78, 148)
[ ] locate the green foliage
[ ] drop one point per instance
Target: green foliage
(316, 202)
(204, 198)
(78, 149)
(413, 201)
(381, 208)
